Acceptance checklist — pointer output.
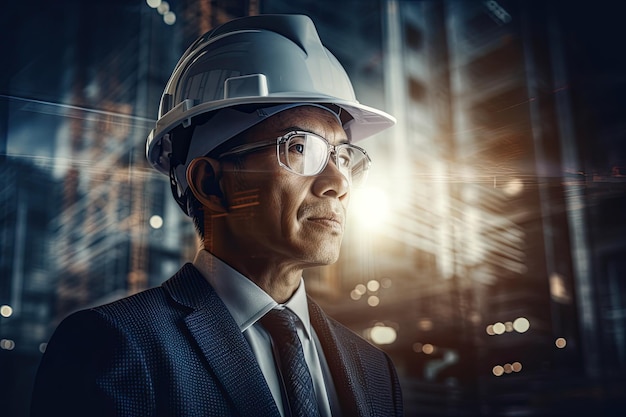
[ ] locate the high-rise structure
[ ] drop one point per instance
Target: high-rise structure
(27, 284)
(25, 243)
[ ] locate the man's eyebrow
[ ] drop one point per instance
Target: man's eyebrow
(301, 129)
(292, 128)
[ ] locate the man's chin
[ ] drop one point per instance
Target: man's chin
(324, 259)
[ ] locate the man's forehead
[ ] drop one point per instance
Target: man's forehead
(314, 119)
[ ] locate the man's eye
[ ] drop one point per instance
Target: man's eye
(296, 147)
(344, 160)
(344, 157)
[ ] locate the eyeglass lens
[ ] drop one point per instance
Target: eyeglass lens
(308, 154)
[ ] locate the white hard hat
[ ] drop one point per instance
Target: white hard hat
(271, 62)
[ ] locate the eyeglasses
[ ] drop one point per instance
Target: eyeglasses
(307, 154)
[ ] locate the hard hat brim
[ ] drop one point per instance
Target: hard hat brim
(366, 121)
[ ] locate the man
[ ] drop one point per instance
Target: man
(255, 131)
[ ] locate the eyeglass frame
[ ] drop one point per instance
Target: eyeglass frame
(250, 147)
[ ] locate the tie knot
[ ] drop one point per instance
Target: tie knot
(279, 321)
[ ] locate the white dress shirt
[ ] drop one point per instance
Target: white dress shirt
(247, 303)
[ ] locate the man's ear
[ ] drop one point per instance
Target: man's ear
(203, 177)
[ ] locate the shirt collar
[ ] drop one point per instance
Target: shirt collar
(246, 301)
(298, 304)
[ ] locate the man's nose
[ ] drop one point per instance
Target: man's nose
(331, 182)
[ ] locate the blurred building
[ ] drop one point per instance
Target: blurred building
(25, 243)
(114, 231)
(26, 285)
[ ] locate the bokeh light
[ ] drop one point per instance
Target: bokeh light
(425, 324)
(6, 311)
(521, 324)
(383, 335)
(373, 285)
(507, 368)
(7, 344)
(156, 222)
(513, 187)
(373, 301)
(169, 18)
(499, 328)
(360, 288)
(163, 7)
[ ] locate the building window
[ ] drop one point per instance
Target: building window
(417, 91)
(413, 37)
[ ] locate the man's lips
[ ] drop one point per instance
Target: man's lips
(331, 221)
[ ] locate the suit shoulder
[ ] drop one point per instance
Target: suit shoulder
(151, 310)
(346, 333)
(149, 303)
(147, 300)
(139, 309)
(352, 340)
(324, 323)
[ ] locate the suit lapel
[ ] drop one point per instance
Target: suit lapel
(345, 365)
(225, 349)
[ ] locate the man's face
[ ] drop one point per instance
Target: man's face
(281, 217)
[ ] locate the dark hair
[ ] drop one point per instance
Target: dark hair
(196, 212)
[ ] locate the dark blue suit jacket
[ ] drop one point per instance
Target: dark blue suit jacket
(176, 351)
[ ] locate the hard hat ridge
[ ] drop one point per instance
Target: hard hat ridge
(299, 29)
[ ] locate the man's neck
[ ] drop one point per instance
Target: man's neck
(278, 279)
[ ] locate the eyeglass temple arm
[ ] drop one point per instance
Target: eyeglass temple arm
(248, 148)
